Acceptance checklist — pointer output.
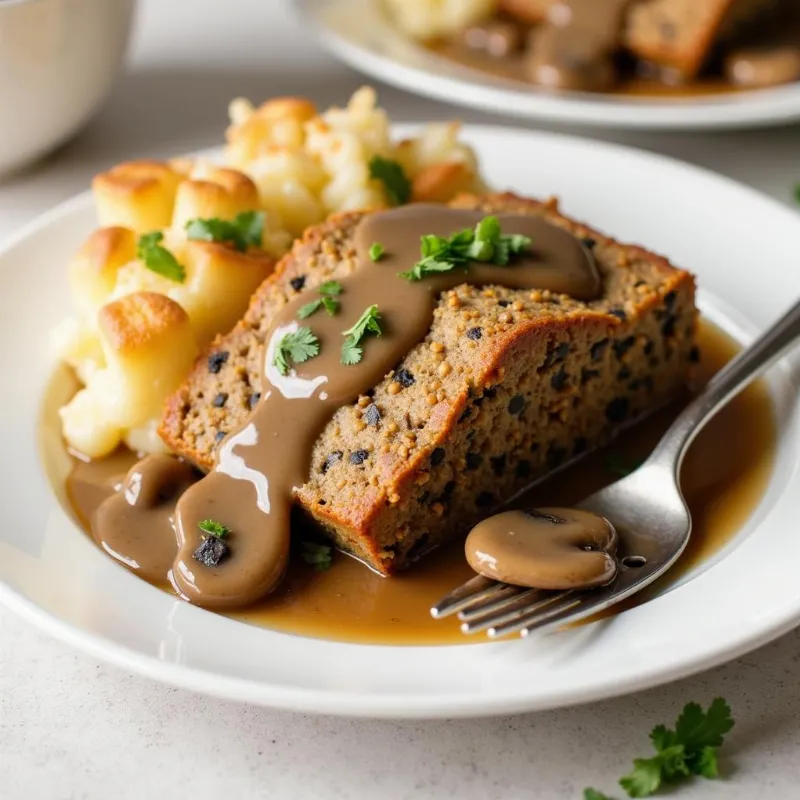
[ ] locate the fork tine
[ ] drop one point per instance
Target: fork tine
(535, 617)
(474, 590)
(586, 604)
(590, 605)
(491, 607)
(521, 606)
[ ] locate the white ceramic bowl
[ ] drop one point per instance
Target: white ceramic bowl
(58, 60)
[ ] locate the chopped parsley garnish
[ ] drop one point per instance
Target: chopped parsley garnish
(243, 231)
(331, 287)
(376, 251)
(395, 181)
(214, 528)
(368, 322)
(622, 465)
(295, 348)
(318, 555)
(157, 258)
(327, 301)
(797, 192)
(690, 749)
(486, 243)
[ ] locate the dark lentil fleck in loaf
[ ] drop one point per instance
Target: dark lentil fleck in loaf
(436, 449)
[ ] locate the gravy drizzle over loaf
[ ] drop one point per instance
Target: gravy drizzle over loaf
(135, 525)
(258, 467)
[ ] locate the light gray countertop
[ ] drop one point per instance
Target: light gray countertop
(73, 728)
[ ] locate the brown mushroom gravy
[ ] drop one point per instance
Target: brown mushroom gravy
(546, 548)
(580, 46)
(723, 479)
(135, 525)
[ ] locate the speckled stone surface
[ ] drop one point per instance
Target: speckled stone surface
(71, 728)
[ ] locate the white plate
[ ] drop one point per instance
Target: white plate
(743, 248)
(359, 33)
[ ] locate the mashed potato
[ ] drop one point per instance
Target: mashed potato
(307, 165)
(285, 161)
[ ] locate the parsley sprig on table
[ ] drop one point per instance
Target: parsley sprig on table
(295, 348)
(690, 749)
(214, 528)
(157, 258)
(243, 231)
(328, 301)
(369, 322)
(395, 181)
(486, 243)
(317, 555)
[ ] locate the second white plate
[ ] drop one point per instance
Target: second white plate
(359, 33)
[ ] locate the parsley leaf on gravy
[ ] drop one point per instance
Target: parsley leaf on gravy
(295, 348)
(331, 287)
(485, 243)
(214, 528)
(327, 301)
(368, 322)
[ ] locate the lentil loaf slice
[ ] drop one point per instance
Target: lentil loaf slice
(507, 386)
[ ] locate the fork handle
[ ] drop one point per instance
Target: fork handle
(729, 381)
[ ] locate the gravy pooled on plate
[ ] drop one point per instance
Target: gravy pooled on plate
(135, 525)
(723, 480)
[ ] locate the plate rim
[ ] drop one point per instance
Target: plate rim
(374, 705)
(459, 85)
(364, 706)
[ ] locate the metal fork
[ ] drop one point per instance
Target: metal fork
(646, 507)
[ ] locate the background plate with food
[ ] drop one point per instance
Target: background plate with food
(657, 64)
